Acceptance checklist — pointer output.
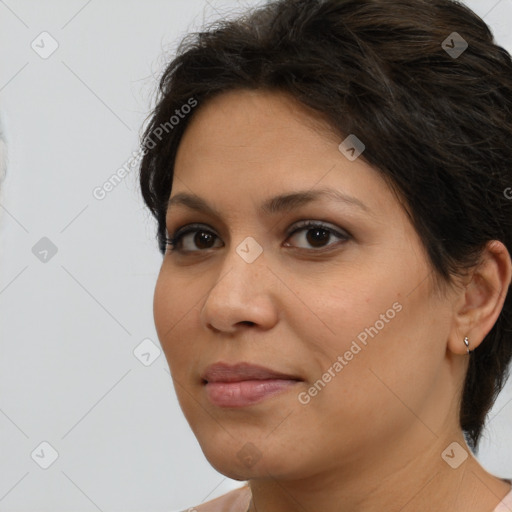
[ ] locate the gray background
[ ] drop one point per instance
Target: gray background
(70, 321)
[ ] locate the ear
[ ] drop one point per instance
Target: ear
(479, 303)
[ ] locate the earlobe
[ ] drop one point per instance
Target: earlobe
(481, 300)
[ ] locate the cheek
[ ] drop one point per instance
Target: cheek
(392, 354)
(360, 312)
(372, 324)
(173, 311)
(162, 310)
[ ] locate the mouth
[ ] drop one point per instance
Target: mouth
(244, 384)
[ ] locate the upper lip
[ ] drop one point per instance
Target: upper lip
(223, 372)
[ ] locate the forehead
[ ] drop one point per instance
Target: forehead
(247, 119)
(260, 144)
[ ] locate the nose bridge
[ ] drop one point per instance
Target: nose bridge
(244, 265)
(236, 295)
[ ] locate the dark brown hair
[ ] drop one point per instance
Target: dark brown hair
(436, 125)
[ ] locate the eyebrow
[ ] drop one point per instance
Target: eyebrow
(275, 205)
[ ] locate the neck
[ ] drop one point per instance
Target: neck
(419, 482)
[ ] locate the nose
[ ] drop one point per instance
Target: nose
(242, 295)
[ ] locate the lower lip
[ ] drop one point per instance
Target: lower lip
(246, 392)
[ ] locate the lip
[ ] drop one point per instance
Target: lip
(224, 372)
(244, 384)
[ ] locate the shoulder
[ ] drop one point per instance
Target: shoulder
(236, 500)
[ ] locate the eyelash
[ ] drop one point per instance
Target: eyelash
(172, 242)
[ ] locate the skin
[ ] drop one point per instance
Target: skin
(372, 438)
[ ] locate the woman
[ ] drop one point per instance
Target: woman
(331, 181)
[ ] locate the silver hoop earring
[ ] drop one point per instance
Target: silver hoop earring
(466, 342)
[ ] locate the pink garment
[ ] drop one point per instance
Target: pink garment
(505, 505)
(233, 501)
(238, 501)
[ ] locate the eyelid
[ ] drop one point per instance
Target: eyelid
(190, 227)
(295, 227)
(303, 224)
(185, 230)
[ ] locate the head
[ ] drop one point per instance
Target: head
(391, 280)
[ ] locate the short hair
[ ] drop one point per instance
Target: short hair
(435, 122)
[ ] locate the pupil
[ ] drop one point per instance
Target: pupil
(318, 238)
(202, 237)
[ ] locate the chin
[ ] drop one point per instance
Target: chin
(247, 460)
(231, 469)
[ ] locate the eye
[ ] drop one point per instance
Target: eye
(316, 234)
(202, 237)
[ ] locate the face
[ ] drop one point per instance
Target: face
(344, 305)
